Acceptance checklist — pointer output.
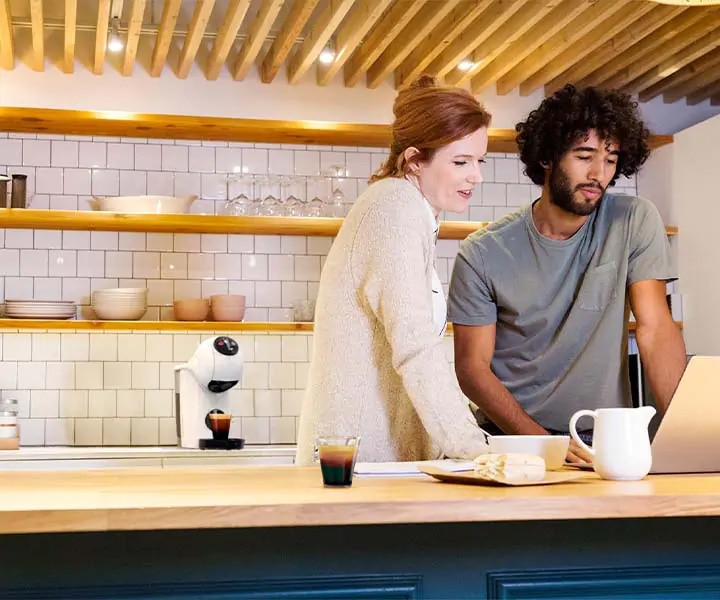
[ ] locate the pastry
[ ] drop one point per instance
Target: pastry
(510, 467)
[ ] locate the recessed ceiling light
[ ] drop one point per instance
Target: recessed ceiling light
(466, 65)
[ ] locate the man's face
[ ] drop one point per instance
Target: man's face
(579, 180)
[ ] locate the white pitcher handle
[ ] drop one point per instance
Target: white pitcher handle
(573, 432)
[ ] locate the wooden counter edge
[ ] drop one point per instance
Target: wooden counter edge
(505, 509)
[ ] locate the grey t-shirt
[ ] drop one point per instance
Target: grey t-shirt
(560, 306)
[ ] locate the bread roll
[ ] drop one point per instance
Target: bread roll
(510, 467)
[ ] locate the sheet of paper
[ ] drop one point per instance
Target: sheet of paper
(405, 469)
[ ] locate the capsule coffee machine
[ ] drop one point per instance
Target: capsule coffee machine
(202, 403)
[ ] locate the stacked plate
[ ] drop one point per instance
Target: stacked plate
(120, 304)
(39, 309)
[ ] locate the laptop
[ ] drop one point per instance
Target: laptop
(687, 440)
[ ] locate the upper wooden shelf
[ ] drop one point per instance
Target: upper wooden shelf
(183, 127)
(28, 218)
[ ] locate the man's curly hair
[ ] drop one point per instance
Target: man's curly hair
(570, 113)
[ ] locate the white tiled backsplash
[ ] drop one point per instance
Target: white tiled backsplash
(112, 388)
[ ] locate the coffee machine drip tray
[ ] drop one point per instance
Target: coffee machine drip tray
(230, 444)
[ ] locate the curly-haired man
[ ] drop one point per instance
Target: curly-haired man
(539, 299)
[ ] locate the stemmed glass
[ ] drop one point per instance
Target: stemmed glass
(318, 194)
(292, 194)
(239, 194)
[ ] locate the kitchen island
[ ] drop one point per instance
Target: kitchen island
(275, 532)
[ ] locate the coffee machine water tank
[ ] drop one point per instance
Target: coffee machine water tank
(217, 364)
(202, 387)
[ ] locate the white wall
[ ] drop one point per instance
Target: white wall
(253, 99)
(654, 182)
(696, 203)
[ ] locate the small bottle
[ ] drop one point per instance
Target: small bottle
(18, 196)
(8, 424)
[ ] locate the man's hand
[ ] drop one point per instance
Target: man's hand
(577, 454)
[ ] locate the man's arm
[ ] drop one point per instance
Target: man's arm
(659, 340)
(474, 347)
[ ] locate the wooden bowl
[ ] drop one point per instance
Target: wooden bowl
(191, 309)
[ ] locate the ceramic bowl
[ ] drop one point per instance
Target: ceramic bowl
(119, 313)
(227, 313)
(227, 300)
(191, 309)
(552, 448)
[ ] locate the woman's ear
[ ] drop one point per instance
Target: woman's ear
(410, 154)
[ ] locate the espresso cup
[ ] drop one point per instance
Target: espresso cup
(220, 425)
(337, 457)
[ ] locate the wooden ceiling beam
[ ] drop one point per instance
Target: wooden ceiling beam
(510, 31)
(322, 31)
(198, 25)
(399, 15)
(171, 11)
(137, 11)
(549, 25)
(684, 81)
(557, 44)
(595, 39)
(674, 63)
(266, 15)
(225, 38)
(38, 35)
(644, 47)
(351, 33)
(69, 44)
(282, 45)
(101, 36)
(452, 26)
(412, 36)
(495, 14)
(708, 91)
(693, 87)
(615, 46)
(7, 45)
(675, 44)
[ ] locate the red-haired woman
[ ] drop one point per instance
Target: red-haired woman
(379, 369)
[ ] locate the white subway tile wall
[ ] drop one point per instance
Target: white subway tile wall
(116, 388)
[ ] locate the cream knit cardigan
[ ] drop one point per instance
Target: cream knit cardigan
(378, 366)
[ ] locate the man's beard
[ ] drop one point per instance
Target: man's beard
(563, 196)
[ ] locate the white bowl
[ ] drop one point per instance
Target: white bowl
(552, 448)
(143, 204)
(111, 313)
(127, 290)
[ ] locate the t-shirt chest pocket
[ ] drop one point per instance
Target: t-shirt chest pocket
(599, 287)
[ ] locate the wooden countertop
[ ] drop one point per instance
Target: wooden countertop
(228, 497)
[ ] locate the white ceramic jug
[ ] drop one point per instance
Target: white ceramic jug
(621, 445)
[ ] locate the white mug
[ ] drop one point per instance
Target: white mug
(621, 445)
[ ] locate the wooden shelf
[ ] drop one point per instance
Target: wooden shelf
(81, 325)
(28, 218)
(182, 127)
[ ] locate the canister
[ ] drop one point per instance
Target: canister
(8, 424)
(3, 191)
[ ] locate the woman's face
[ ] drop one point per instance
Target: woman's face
(449, 178)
